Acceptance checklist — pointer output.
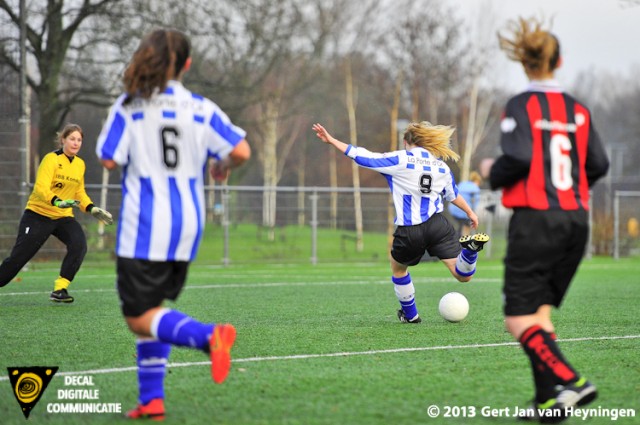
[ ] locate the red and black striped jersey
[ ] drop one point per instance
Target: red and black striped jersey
(552, 153)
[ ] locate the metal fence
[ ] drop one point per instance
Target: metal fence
(304, 217)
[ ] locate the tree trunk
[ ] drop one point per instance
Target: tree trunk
(478, 123)
(394, 145)
(49, 123)
(465, 167)
(270, 167)
(355, 172)
(415, 102)
(301, 193)
(333, 182)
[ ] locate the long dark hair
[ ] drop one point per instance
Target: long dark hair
(161, 56)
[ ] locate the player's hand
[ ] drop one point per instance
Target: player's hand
(322, 133)
(220, 170)
(102, 215)
(473, 220)
(67, 203)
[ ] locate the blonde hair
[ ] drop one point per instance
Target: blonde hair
(475, 177)
(66, 131)
(535, 48)
(434, 138)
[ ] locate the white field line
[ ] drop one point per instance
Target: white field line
(222, 270)
(221, 275)
(340, 354)
(266, 285)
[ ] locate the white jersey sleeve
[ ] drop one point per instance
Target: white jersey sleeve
(419, 182)
(163, 144)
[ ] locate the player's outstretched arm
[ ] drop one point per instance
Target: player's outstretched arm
(324, 135)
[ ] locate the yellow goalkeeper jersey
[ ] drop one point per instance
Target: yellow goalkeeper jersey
(58, 177)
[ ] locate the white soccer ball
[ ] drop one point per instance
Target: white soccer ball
(453, 307)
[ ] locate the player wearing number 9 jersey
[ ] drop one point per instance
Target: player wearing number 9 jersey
(162, 135)
(420, 183)
(551, 156)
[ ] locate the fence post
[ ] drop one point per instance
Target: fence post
(616, 225)
(225, 224)
(104, 190)
(314, 227)
(589, 252)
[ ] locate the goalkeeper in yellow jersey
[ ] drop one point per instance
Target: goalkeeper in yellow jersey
(58, 188)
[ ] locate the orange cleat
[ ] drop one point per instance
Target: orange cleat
(220, 350)
(153, 410)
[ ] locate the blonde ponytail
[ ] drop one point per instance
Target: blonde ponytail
(434, 138)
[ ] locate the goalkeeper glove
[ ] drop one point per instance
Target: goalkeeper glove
(102, 215)
(68, 203)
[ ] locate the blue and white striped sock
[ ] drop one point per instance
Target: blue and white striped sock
(177, 328)
(406, 295)
(152, 362)
(466, 262)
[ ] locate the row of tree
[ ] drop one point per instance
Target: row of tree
(277, 66)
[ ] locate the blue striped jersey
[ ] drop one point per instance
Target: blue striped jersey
(419, 181)
(162, 145)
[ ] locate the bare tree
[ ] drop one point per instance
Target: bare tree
(422, 53)
(478, 106)
(262, 60)
(69, 56)
(355, 30)
(351, 95)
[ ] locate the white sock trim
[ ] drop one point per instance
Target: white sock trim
(405, 293)
(145, 339)
(464, 266)
(155, 322)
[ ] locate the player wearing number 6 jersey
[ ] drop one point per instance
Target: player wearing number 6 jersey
(163, 135)
(420, 182)
(552, 155)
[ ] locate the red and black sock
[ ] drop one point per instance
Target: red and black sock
(545, 385)
(547, 362)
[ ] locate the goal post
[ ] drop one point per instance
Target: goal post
(623, 214)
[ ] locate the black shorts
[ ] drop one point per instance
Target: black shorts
(435, 236)
(143, 285)
(33, 231)
(543, 253)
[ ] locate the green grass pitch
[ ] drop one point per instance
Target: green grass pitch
(322, 345)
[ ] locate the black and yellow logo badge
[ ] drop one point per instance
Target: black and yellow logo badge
(29, 383)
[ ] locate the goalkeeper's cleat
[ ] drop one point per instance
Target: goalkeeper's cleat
(153, 410)
(578, 393)
(220, 345)
(403, 318)
(475, 242)
(61, 296)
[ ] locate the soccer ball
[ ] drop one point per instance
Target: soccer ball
(453, 307)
